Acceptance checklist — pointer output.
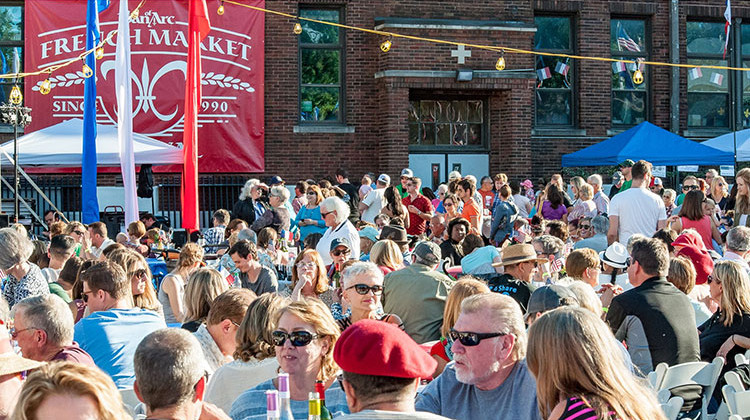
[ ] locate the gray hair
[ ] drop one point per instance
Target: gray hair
(635, 237)
(586, 296)
(669, 193)
(506, 312)
(50, 314)
(586, 192)
(336, 204)
(16, 248)
(442, 188)
(247, 234)
(550, 245)
(600, 224)
(245, 192)
(595, 179)
(281, 192)
(738, 239)
(168, 364)
(360, 268)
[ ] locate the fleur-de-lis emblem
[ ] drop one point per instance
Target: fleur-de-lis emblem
(747, 113)
(720, 111)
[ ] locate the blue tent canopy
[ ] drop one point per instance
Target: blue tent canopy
(648, 142)
(726, 141)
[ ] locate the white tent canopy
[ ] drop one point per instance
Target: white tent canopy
(61, 145)
(726, 141)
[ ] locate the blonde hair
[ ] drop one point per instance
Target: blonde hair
(682, 274)
(190, 254)
(69, 378)
(202, 288)
(137, 229)
(254, 335)
(592, 367)
(735, 295)
(577, 182)
(585, 192)
(506, 313)
(743, 201)
(715, 183)
(70, 227)
(386, 253)
(587, 298)
(128, 260)
(320, 282)
(465, 286)
(579, 260)
(314, 312)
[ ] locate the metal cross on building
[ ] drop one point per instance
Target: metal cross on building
(461, 52)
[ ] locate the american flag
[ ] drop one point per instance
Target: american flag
(625, 41)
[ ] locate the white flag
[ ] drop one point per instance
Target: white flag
(125, 114)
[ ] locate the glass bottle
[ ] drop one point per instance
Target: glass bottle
(321, 390)
(314, 406)
(272, 405)
(285, 403)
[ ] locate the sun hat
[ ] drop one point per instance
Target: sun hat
(616, 255)
(518, 253)
(11, 363)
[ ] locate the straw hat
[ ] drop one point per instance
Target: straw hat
(11, 363)
(514, 254)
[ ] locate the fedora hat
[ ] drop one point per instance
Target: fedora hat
(514, 254)
(11, 363)
(615, 255)
(395, 233)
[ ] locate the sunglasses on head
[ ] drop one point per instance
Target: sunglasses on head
(297, 338)
(339, 252)
(471, 339)
(364, 289)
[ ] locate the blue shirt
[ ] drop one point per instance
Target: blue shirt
(251, 404)
(112, 336)
(314, 214)
(480, 260)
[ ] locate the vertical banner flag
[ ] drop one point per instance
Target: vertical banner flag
(89, 202)
(727, 26)
(198, 28)
(125, 114)
(230, 115)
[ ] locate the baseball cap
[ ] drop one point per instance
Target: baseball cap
(627, 163)
(428, 251)
(407, 172)
(655, 181)
(275, 180)
(616, 177)
(384, 178)
(343, 241)
(550, 297)
(370, 233)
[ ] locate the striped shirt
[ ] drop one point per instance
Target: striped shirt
(578, 408)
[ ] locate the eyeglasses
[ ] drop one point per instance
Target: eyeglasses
(339, 252)
(234, 323)
(630, 261)
(311, 193)
(471, 339)
(447, 204)
(306, 265)
(297, 338)
(364, 289)
(585, 227)
(710, 279)
(689, 187)
(323, 215)
(140, 273)
(85, 296)
(14, 333)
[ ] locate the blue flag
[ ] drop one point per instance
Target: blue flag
(89, 201)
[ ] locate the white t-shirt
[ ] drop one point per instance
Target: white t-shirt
(345, 229)
(375, 200)
(639, 211)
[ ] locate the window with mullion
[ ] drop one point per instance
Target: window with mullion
(555, 99)
(11, 46)
(447, 123)
(708, 89)
(629, 100)
(321, 55)
(745, 76)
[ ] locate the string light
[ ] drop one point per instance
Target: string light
(297, 28)
(638, 74)
(86, 70)
(45, 87)
(134, 14)
(500, 65)
(15, 95)
(220, 10)
(385, 46)
(99, 53)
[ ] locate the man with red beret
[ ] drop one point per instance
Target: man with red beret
(382, 367)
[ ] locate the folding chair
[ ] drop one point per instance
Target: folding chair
(738, 402)
(670, 405)
(702, 374)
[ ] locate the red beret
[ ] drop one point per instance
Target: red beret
(377, 348)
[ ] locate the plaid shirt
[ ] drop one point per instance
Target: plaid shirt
(214, 235)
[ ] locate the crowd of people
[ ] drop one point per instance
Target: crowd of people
(385, 300)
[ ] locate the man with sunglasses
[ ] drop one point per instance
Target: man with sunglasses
(652, 310)
(689, 183)
(113, 330)
(488, 377)
(417, 293)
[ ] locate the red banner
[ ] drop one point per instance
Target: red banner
(230, 119)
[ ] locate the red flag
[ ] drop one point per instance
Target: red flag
(198, 28)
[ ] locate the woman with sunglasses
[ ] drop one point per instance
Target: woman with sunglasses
(303, 340)
(730, 288)
(692, 216)
(136, 268)
(719, 192)
(569, 384)
(362, 288)
(309, 279)
(452, 207)
(308, 218)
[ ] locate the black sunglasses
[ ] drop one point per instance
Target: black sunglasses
(364, 289)
(297, 338)
(140, 273)
(690, 187)
(471, 339)
(339, 252)
(710, 279)
(585, 227)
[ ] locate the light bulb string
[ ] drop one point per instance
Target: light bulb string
(49, 70)
(484, 47)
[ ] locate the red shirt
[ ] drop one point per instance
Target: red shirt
(417, 225)
(488, 197)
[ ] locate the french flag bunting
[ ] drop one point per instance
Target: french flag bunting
(543, 74)
(695, 73)
(619, 67)
(717, 79)
(562, 68)
(727, 25)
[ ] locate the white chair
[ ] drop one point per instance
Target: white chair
(670, 405)
(702, 374)
(738, 402)
(742, 359)
(129, 400)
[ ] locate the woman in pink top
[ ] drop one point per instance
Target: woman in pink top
(692, 216)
